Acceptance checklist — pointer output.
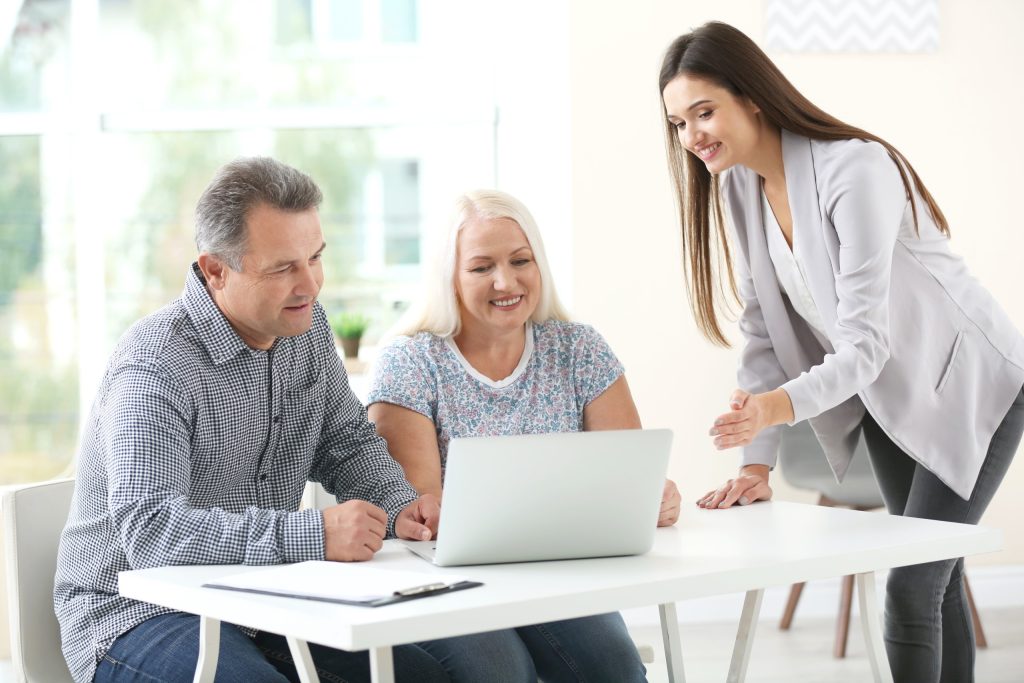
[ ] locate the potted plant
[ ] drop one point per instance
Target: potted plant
(348, 327)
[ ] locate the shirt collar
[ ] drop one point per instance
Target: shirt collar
(212, 328)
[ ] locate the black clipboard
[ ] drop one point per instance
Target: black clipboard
(414, 593)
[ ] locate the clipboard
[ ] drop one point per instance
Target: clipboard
(361, 585)
(375, 602)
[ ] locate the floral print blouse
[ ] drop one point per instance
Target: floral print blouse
(564, 367)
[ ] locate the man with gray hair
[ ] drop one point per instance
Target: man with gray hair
(211, 416)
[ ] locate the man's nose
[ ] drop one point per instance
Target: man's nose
(308, 283)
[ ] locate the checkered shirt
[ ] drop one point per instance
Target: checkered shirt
(196, 451)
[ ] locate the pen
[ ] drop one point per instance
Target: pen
(426, 588)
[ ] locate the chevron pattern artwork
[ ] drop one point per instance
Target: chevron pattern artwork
(852, 25)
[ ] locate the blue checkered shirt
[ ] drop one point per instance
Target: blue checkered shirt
(196, 451)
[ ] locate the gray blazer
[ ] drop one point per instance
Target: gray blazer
(915, 339)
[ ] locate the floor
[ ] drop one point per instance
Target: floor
(804, 654)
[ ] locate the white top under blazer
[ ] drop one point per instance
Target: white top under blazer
(917, 341)
(790, 271)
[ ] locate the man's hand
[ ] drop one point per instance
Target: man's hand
(418, 521)
(751, 484)
(353, 531)
(670, 501)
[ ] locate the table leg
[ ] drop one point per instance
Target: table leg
(382, 665)
(670, 636)
(209, 647)
(871, 619)
(303, 660)
(745, 636)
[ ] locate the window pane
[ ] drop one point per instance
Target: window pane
(38, 369)
(184, 55)
(401, 180)
(279, 53)
(34, 64)
(345, 20)
(398, 21)
(293, 22)
(152, 183)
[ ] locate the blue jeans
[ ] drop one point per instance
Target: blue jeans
(929, 636)
(166, 649)
(594, 649)
(597, 649)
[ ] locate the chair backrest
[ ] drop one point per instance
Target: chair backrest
(33, 517)
(802, 464)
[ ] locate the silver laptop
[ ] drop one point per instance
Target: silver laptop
(549, 497)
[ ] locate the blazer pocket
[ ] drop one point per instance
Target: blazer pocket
(949, 364)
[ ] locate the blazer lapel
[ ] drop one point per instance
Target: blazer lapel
(816, 247)
(748, 221)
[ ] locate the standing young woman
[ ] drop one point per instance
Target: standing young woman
(856, 315)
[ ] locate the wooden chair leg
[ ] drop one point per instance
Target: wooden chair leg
(979, 633)
(794, 598)
(843, 620)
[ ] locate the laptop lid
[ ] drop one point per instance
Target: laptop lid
(551, 496)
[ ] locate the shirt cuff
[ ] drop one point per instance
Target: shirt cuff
(303, 534)
(397, 500)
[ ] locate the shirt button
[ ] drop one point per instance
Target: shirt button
(277, 418)
(263, 477)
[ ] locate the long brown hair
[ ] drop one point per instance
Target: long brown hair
(725, 56)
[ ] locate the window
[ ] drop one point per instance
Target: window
(114, 115)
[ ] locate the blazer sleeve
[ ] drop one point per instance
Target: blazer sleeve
(865, 200)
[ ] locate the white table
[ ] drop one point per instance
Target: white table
(709, 552)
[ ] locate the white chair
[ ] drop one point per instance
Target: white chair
(33, 517)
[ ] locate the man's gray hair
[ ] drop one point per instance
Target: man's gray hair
(236, 189)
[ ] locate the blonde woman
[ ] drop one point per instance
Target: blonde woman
(490, 351)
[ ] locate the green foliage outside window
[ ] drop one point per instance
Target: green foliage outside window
(39, 396)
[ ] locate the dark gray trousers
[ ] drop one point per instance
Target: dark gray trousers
(929, 636)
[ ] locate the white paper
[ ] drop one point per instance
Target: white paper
(333, 580)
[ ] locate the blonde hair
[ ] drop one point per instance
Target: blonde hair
(437, 311)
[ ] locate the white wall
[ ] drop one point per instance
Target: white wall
(954, 113)
(533, 142)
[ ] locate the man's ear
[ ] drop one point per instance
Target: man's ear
(214, 270)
